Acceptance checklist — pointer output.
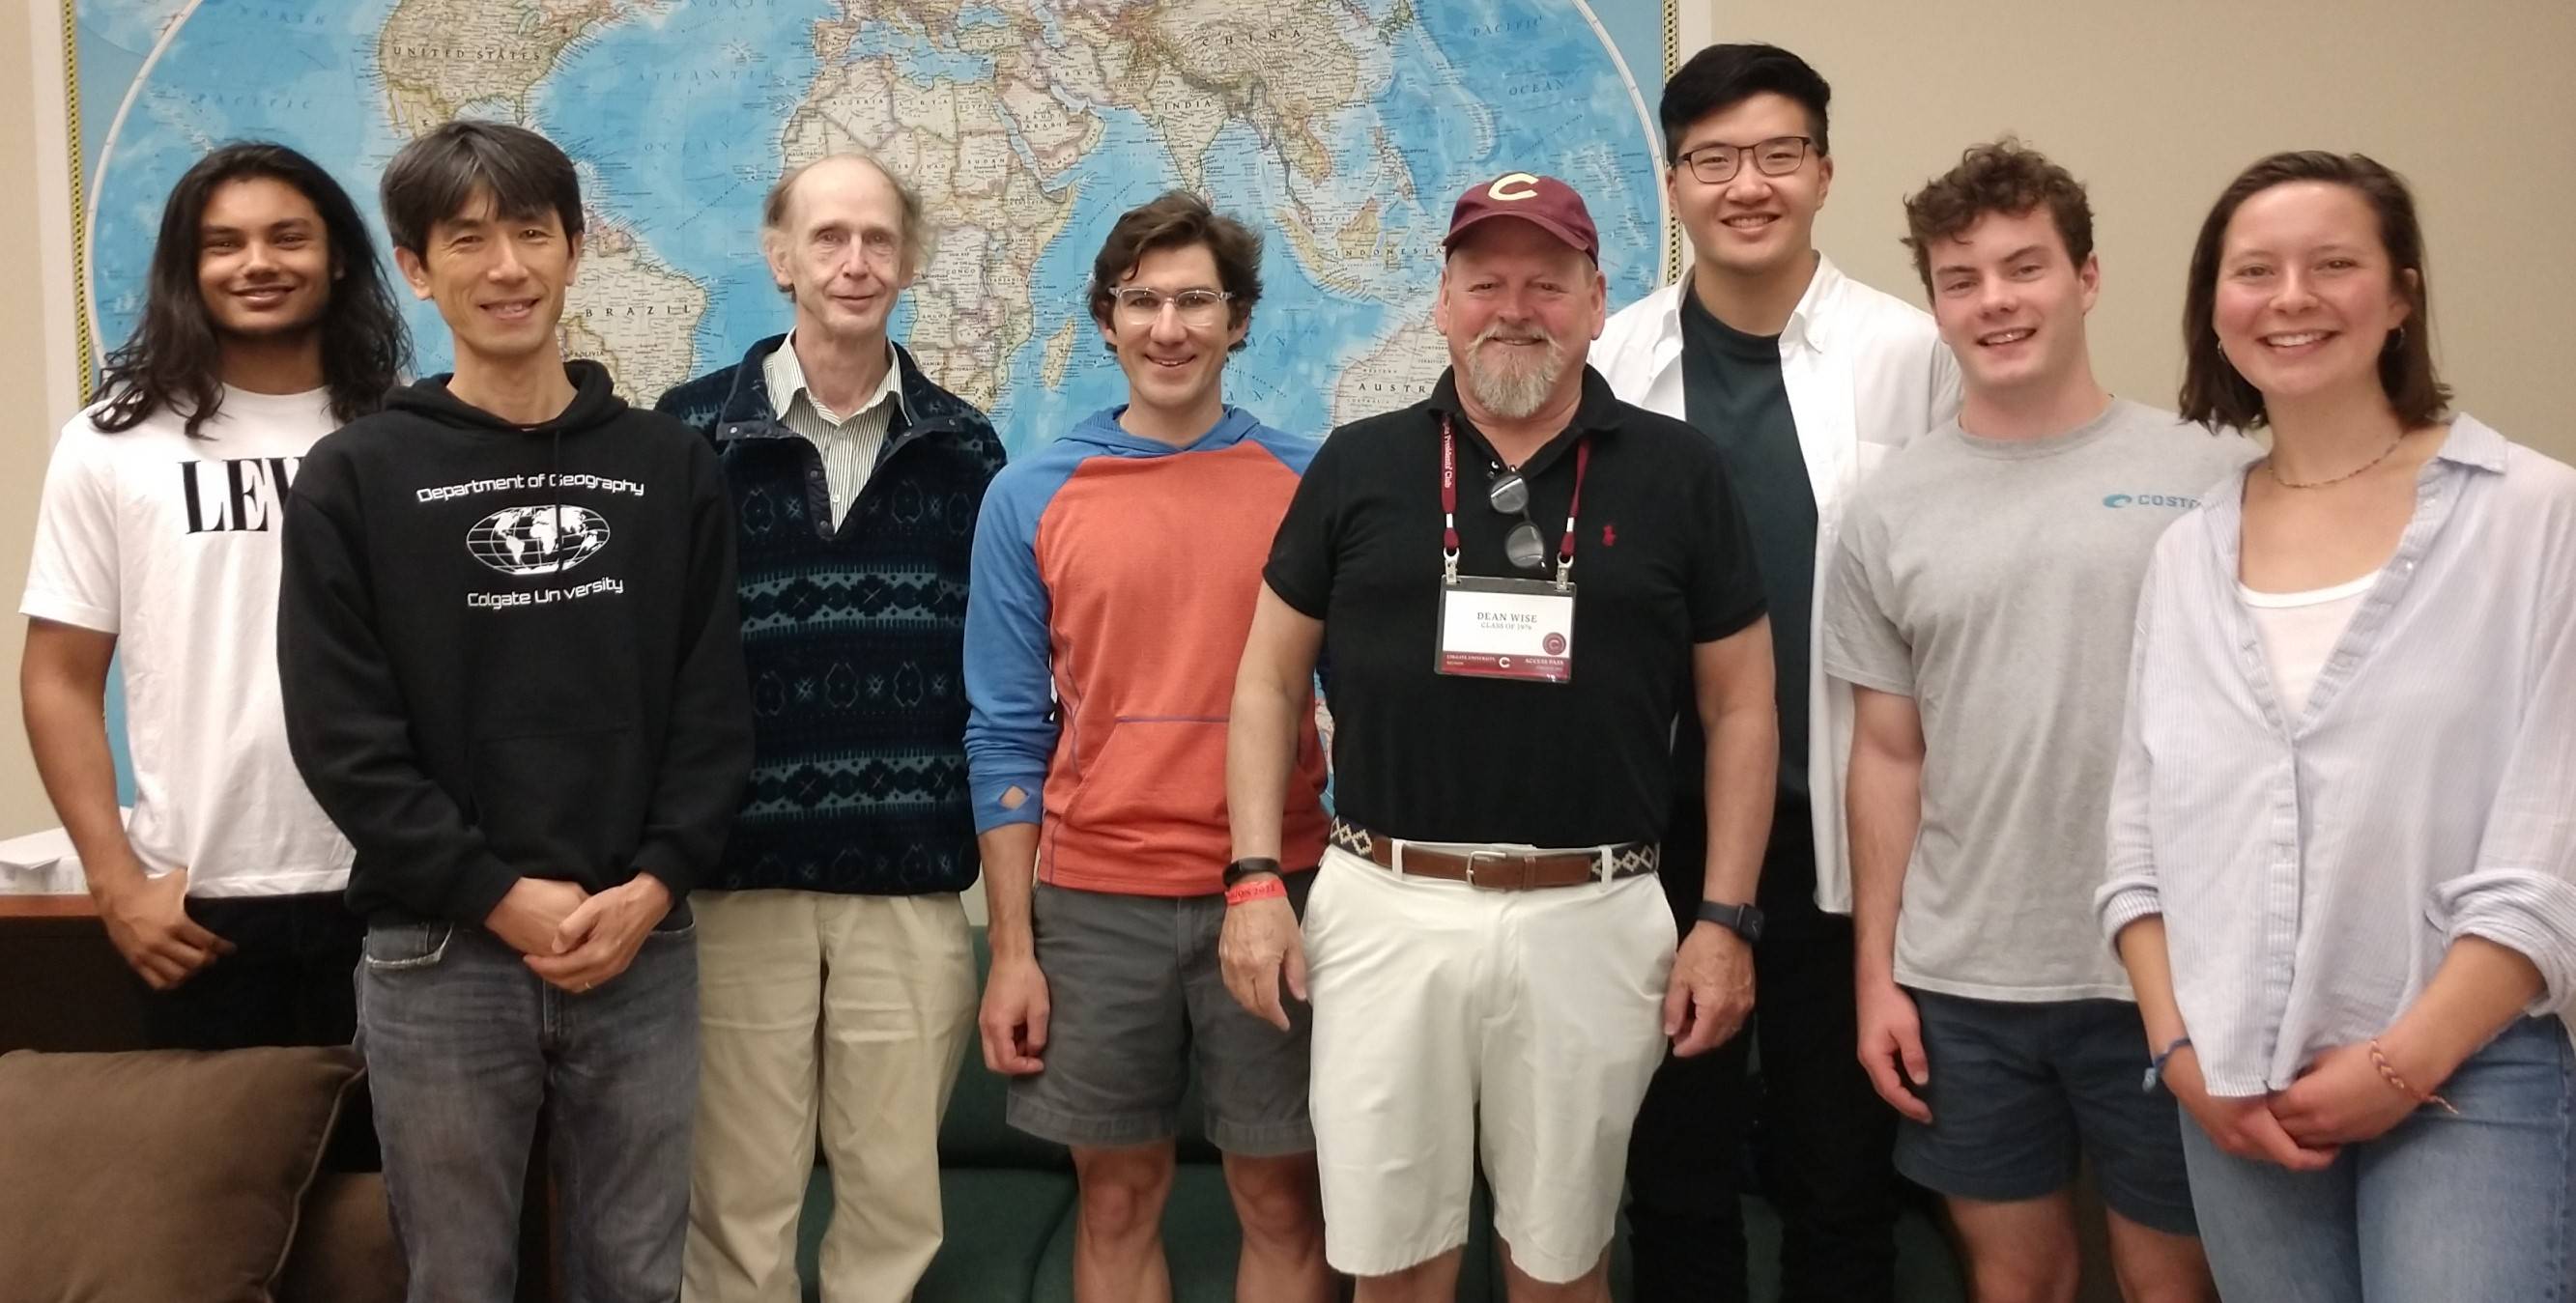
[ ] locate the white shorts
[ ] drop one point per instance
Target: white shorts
(1438, 1005)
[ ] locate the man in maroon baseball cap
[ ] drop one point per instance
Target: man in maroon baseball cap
(1509, 578)
(1519, 307)
(1543, 201)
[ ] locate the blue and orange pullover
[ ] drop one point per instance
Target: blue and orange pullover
(1114, 581)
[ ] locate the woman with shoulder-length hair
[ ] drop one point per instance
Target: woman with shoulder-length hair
(2343, 834)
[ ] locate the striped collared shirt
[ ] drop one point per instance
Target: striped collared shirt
(2313, 866)
(849, 444)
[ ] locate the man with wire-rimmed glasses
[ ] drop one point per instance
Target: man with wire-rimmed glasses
(1114, 578)
(1804, 380)
(1520, 584)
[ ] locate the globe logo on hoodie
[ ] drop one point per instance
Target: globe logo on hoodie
(547, 539)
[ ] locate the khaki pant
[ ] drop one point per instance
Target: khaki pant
(838, 1018)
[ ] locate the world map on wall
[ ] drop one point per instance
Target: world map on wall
(1340, 129)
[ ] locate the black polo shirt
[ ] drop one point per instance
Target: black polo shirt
(1661, 563)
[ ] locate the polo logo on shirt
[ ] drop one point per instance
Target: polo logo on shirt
(2117, 500)
(243, 496)
(542, 539)
(1609, 535)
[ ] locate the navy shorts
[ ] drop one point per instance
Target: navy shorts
(2018, 1091)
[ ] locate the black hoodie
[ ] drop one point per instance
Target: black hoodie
(513, 651)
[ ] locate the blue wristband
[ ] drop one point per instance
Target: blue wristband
(2156, 1070)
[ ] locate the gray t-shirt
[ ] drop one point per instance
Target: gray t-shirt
(1996, 583)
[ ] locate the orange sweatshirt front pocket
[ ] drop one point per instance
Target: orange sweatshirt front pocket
(1150, 807)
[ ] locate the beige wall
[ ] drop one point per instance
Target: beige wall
(2155, 104)
(24, 363)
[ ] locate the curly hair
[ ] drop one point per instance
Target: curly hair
(1177, 219)
(2004, 176)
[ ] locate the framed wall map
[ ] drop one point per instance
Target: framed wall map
(1341, 129)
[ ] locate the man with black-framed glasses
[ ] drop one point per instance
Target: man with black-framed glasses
(1805, 380)
(1114, 578)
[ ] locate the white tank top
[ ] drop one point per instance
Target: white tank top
(2299, 631)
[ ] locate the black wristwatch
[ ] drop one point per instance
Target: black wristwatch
(1241, 869)
(1742, 920)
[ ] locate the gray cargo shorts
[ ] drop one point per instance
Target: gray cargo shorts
(1137, 1006)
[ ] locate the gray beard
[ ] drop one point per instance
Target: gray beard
(1512, 392)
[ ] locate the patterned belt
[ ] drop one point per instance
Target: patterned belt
(1499, 870)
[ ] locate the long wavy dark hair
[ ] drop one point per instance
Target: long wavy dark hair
(173, 359)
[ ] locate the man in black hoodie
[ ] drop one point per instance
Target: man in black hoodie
(513, 677)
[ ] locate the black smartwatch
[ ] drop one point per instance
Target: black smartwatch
(1241, 869)
(1742, 920)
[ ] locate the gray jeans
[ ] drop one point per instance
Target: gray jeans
(465, 1049)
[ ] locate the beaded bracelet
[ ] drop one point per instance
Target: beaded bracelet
(2380, 1061)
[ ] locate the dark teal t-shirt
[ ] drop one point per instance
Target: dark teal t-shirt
(1732, 391)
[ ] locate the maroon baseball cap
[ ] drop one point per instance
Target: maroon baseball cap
(1545, 202)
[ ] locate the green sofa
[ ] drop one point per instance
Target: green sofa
(1009, 1203)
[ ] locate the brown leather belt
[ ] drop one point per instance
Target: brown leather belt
(1498, 870)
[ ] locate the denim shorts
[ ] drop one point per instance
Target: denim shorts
(1136, 1008)
(2020, 1091)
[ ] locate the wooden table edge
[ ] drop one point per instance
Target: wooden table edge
(58, 905)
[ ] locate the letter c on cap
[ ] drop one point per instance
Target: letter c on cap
(1512, 187)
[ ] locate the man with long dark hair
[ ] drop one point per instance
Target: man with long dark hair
(266, 324)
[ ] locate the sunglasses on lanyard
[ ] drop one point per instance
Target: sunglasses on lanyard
(1523, 547)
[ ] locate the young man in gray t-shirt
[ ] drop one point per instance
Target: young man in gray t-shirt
(1984, 593)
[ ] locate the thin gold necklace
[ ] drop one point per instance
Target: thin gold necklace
(2274, 468)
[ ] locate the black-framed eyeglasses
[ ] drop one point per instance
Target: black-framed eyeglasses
(1718, 164)
(1523, 547)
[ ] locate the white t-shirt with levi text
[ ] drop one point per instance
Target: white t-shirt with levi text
(171, 544)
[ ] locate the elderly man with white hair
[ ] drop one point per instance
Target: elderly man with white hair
(837, 980)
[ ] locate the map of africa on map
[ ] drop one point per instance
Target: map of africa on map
(1341, 129)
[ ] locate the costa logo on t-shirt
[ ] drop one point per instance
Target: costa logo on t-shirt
(544, 539)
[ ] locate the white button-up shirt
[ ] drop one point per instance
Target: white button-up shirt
(849, 444)
(2314, 864)
(1866, 373)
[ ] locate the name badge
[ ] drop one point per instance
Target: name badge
(1507, 629)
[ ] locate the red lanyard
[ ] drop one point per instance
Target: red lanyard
(1449, 502)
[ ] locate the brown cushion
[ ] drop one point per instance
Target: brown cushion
(161, 1174)
(345, 1250)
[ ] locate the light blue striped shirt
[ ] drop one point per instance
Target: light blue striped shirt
(2313, 867)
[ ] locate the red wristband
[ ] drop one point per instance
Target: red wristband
(1265, 887)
